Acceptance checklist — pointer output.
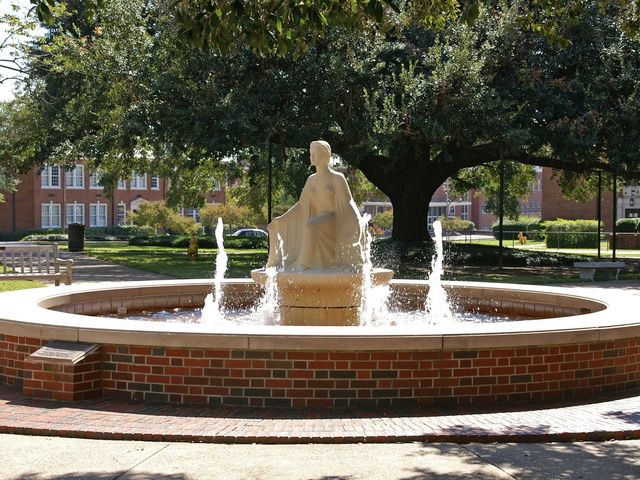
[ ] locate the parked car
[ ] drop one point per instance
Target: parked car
(250, 232)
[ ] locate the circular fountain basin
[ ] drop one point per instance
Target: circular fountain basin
(321, 297)
(578, 345)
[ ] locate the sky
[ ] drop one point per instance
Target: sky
(6, 88)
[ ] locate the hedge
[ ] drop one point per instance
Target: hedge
(182, 241)
(571, 233)
(628, 225)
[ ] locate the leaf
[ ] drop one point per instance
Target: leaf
(44, 14)
(394, 5)
(470, 13)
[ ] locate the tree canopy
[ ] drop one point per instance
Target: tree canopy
(409, 108)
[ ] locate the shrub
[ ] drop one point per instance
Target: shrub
(384, 219)
(204, 241)
(571, 233)
(116, 232)
(455, 224)
(45, 237)
(628, 225)
(510, 228)
(391, 253)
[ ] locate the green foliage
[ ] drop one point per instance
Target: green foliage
(519, 179)
(571, 233)
(455, 224)
(384, 219)
(204, 241)
(628, 225)
(232, 216)
(530, 226)
(401, 256)
(153, 214)
(361, 188)
(582, 186)
(279, 27)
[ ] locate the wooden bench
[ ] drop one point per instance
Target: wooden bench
(34, 262)
(587, 270)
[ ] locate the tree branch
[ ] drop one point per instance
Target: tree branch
(490, 152)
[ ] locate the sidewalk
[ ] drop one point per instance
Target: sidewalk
(88, 269)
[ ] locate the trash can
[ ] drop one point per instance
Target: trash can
(76, 237)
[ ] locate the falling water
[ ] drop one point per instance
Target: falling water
(373, 300)
(437, 304)
(268, 309)
(212, 310)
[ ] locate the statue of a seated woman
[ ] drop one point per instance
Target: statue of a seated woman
(323, 229)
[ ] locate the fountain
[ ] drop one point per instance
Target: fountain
(319, 246)
(568, 346)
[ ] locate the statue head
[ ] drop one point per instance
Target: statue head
(320, 152)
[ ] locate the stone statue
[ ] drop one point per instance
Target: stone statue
(323, 229)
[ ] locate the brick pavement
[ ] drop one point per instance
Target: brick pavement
(124, 420)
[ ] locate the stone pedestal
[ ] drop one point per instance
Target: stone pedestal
(321, 297)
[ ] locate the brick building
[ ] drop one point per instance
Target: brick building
(555, 205)
(54, 197)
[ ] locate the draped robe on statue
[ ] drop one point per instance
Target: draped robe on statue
(322, 230)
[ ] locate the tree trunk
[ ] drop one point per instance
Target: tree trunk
(409, 183)
(411, 206)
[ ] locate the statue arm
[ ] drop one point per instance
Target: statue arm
(288, 227)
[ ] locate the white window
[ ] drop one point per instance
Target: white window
(50, 177)
(434, 214)
(98, 215)
(138, 181)
(155, 183)
(122, 184)
(464, 212)
(192, 212)
(50, 215)
(75, 178)
(452, 211)
(94, 180)
(75, 213)
(121, 214)
(218, 187)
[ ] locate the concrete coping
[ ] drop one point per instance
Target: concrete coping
(28, 313)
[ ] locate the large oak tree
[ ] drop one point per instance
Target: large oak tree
(409, 108)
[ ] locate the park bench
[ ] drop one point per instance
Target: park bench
(34, 262)
(587, 270)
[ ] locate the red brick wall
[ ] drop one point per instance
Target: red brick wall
(555, 205)
(337, 379)
(68, 382)
(13, 351)
(30, 196)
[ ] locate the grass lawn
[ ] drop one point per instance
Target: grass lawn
(11, 285)
(174, 262)
(539, 246)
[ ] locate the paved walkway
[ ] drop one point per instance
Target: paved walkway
(88, 269)
(118, 419)
(40, 458)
